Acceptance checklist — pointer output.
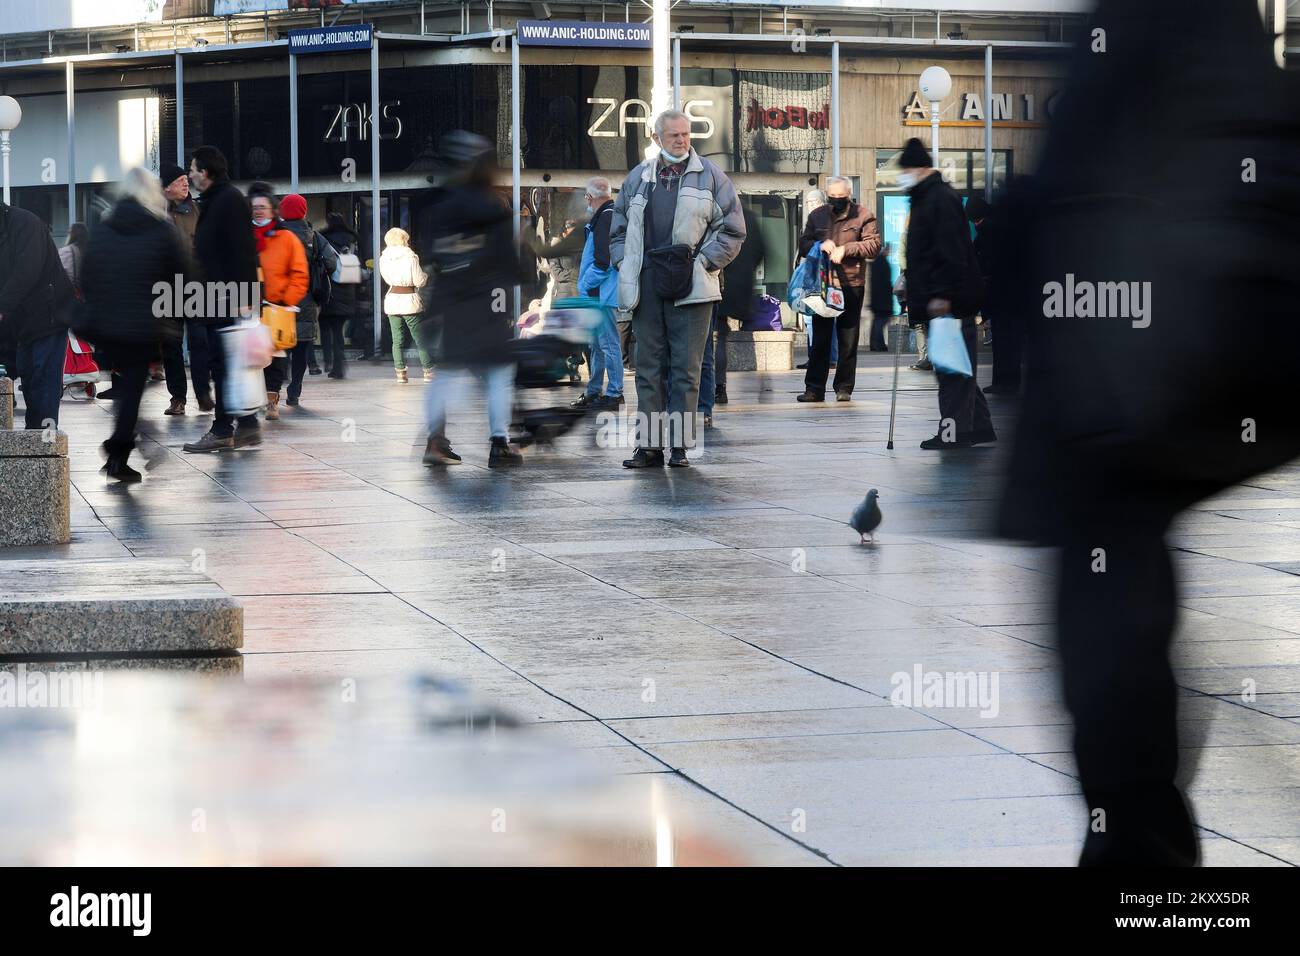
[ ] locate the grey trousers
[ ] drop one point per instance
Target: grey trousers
(669, 339)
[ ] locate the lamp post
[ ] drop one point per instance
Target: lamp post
(935, 85)
(11, 115)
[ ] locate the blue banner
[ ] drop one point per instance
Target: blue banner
(331, 39)
(582, 33)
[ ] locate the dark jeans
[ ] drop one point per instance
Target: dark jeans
(846, 330)
(1115, 628)
(960, 397)
(299, 356)
(670, 339)
(275, 373)
(40, 366)
(133, 373)
(879, 321)
(1008, 349)
(223, 424)
(174, 364)
(311, 353)
(627, 342)
(331, 336)
(722, 329)
(709, 368)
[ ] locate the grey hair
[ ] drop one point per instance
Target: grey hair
(598, 186)
(662, 119)
(843, 180)
(143, 186)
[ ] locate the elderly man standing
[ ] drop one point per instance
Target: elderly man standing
(677, 223)
(847, 234)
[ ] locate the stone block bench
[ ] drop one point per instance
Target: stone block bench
(34, 476)
(760, 351)
(126, 610)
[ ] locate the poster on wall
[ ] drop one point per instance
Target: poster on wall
(785, 121)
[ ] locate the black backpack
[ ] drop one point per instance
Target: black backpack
(320, 286)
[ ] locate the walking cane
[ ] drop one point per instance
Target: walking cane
(893, 400)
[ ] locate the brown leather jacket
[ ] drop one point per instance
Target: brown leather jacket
(855, 229)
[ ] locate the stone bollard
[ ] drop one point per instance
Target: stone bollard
(6, 403)
(35, 476)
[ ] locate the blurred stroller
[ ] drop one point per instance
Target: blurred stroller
(80, 370)
(549, 346)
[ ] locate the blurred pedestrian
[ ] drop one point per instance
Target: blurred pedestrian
(342, 306)
(943, 279)
(36, 300)
(847, 235)
(286, 279)
(599, 279)
(225, 251)
(131, 250)
(882, 298)
(399, 266)
(73, 252)
(677, 224)
(184, 215)
(738, 289)
(477, 263)
(322, 267)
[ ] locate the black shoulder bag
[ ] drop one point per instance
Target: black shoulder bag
(672, 268)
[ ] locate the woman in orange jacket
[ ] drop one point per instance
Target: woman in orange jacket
(284, 277)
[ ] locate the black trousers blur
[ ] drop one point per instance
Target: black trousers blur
(299, 355)
(174, 364)
(133, 373)
(960, 398)
(275, 373)
(879, 320)
(1008, 348)
(1115, 627)
(847, 328)
(331, 337)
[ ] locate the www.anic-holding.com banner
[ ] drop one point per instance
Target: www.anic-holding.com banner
(583, 33)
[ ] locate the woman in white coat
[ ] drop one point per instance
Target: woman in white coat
(399, 266)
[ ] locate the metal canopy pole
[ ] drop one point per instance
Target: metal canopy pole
(988, 124)
(835, 109)
(515, 168)
(293, 122)
(374, 185)
(180, 111)
(677, 73)
(69, 81)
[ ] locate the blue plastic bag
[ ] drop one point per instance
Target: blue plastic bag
(766, 315)
(947, 348)
(805, 280)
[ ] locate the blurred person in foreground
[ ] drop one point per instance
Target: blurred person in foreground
(477, 264)
(134, 248)
(1160, 226)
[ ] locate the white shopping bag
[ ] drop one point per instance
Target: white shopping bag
(248, 350)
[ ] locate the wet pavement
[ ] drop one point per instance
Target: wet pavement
(714, 634)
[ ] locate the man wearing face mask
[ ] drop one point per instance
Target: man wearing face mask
(677, 222)
(847, 234)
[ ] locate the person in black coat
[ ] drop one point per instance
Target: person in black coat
(225, 251)
(342, 305)
(36, 300)
(737, 297)
(882, 298)
(1185, 207)
(943, 278)
(133, 253)
(476, 263)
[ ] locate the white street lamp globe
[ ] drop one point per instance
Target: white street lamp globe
(11, 113)
(936, 84)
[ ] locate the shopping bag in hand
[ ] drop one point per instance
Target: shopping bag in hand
(947, 347)
(248, 350)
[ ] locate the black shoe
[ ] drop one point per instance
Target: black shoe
(336, 374)
(291, 402)
(1001, 390)
(210, 442)
(118, 470)
(107, 393)
(720, 395)
(438, 452)
(645, 458)
(843, 396)
(810, 396)
(679, 459)
(922, 367)
(804, 365)
(503, 453)
(938, 444)
(608, 403)
(247, 437)
(316, 370)
(585, 401)
(982, 436)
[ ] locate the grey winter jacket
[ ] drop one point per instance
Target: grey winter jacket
(707, 206)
